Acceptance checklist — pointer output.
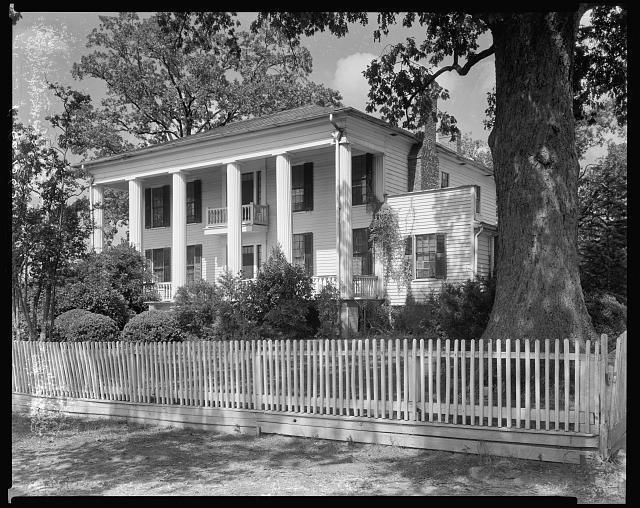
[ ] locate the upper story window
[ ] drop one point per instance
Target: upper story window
(362, 254)
(444, 180)
(303, 251)
(160, 263)
(157, 207)
(194, 262)
(194, 202)
(477, 198)
(362, 179)
(302, 187)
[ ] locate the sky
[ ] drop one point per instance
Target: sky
(46, 44)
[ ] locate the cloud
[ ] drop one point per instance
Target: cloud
(348, 79)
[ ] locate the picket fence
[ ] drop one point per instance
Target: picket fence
(543, 385)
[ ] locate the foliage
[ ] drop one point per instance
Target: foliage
(608, 314)
(383, 232)
(602, 227)
(80, 326)
(281, 298)
(197, 305)
(174, 74)
(476, 150)
(153, 326)
(458, 311)
(327, 307)
(93, 296)
(50, 225)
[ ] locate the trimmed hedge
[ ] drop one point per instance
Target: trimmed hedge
(79, 325)
(153, 326)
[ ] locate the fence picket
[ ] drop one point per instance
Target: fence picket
(321, 375)
(288, 373)
(360, 396)
(310, 372)
(405, 346)
(314, 369)
(340, 377)
(546, 384)
(463, 369)
(556, 373)
(518, 386)
(334, 386)
(537, 381)
(576, 387)
(327, 378)
(422, 387)
(354, 400)
(472, 382)
(389, 362)
(567, 366)
(438, 391)
(367, 376)
(499, 379)
(508, 380)
(587, 388)
(456, 352)
(527, 383)
(413, 391)
(398, 381)
(490, 382)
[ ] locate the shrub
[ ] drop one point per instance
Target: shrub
(94, 296)
(326, 311)
(78, 325)
(608, 315)
(153, 326)
(197, 305)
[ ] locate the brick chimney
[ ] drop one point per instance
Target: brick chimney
(426, 172)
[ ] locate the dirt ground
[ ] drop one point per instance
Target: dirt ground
(70, 456)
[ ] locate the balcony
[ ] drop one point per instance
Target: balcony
(163, 290)
(254, 218)
(364, 286)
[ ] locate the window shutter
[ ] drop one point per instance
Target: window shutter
(197, 190)
(441, 257)
(369, 169)
(308, 185)
(308, 253)
(197, 262)
(147, 208)
(166, 205)
(166, 254)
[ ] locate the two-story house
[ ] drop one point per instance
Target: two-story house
(302, 179)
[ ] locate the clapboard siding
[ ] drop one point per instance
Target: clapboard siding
(484, 254)
(466, 174)
(437, 211)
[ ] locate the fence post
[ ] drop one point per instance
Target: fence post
(604, 406)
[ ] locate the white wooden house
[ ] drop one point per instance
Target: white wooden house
(300, 178)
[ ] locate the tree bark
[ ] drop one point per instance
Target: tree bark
(538, 292)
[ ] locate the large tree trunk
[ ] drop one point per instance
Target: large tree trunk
(538, 292)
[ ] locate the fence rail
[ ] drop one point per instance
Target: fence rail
(548, 385)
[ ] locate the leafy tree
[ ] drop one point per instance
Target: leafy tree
(476, 150)
(602, 228)
(50, 225)
(538, 292)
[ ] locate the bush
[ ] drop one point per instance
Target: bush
(153, 326)
(197, 305)
(79, 325)
(94, 296)
(608, 315)
(326, 312)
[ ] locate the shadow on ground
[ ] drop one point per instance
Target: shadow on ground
(83, 457)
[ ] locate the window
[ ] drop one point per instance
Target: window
(408, 254)
(157, 202)
(430, 256)
(362, 255)
(302, 187)
(194, 262)
(251, 260)
(477, 198)
(444, 180)
(247, 188)
(160, 262)
(303, 251)
(361, 179)
(194, 202)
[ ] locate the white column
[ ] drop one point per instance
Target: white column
(136, 213)
(345, 250)
(97, 199)
(234, 218)
(378, 187)
(284, 227)
(178, 231)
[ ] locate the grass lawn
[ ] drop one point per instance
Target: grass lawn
(70, 456)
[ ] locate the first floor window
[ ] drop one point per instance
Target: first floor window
(160, 263)
(194, 262)
(251, 260)
(362, 254)
(430, 256)
(303, 251)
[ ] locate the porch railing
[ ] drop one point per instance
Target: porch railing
(164, 290)
(364, 286)
(251, 214)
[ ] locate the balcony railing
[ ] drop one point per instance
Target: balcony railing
(364, 286)
(251, 214)
(163, 289)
